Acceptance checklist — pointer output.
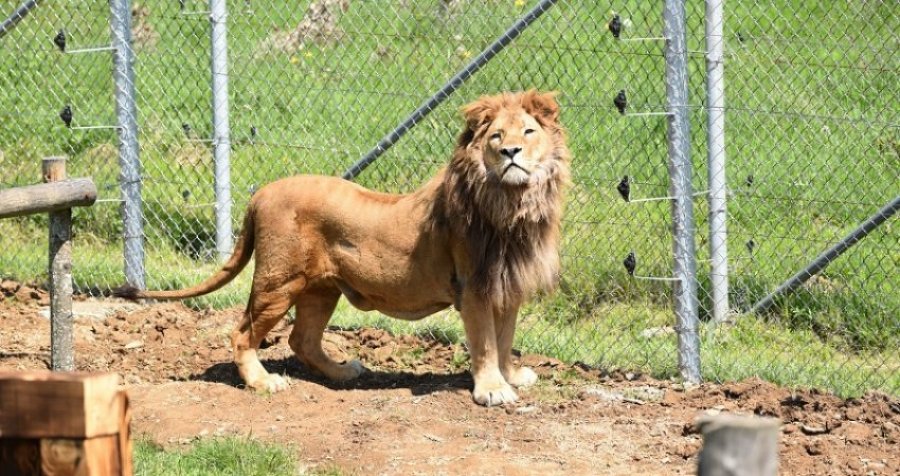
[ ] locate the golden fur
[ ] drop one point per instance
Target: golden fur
(482, 235)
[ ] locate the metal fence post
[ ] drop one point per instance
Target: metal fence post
(129, 159)
(221, 130)
(715, 108)
(679, 144)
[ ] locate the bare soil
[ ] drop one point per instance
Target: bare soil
(413, 413)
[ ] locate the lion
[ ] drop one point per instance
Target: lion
(482, 235)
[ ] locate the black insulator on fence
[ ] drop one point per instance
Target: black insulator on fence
(60, 40)
(185, 194)
(624, 188)
(630, 263)
(749, 181)
(615, 25)
(253, 132)
(740, 37)
(66, 115)
(621, 101)
(186, 128)
(750, 246)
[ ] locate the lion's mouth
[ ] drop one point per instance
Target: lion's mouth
(511, 165)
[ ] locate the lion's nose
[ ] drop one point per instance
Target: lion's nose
(510, 152)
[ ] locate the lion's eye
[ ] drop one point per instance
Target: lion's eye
(529, 131)
(496, 135)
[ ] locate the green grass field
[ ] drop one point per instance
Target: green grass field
(812, 145)
(220, 457)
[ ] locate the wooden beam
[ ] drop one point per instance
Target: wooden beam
(47, 197)
(59, 405)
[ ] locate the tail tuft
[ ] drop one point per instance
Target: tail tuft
(127, 292)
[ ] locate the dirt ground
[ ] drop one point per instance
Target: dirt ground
(413, 414)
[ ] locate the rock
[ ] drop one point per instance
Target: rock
(854, 432)
(813, 448)
(383, 353)
(853, 413)
(601, 394)
(133, 345)
(813, 430)
(120, 338)
(8, 287)
(890, 431)
(645, 393)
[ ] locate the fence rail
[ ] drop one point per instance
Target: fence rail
(210, 99)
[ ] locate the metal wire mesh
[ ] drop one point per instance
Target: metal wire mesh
(811, 145)
(812, 127)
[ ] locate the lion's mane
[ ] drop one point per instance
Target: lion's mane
(511, 234)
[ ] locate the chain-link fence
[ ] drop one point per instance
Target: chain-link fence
(810, 142)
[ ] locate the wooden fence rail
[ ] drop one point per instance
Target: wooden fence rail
(56, 196)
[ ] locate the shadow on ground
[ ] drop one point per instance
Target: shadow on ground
(418, 384)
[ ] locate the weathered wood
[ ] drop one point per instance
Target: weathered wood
(31, 199)
(739, 446)
(59, 405)
(20, 457)
(61, 456)
(125, 448)
(63, 424)
(62, 351)
(98, 456)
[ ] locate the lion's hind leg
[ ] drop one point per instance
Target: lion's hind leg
(314, 309)
(265, 309)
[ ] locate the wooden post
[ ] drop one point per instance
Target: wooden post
(64, 424)
(739, 446)
(62, 352)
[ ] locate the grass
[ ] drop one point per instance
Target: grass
(810, 146)
(641, 338)
(221, 456)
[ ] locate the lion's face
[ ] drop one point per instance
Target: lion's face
(515, 147)
(515, 137)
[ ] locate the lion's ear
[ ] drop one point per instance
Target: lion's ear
(479, 113)
(542, 106)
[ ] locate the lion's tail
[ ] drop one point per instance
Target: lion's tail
(243, 250)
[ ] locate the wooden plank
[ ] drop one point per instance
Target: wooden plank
(125, 448)
(47, 197)
(101, 456)
(59, 405)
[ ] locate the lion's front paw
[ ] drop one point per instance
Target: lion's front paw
(494, 394)
(522, 377)
(269, 384)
